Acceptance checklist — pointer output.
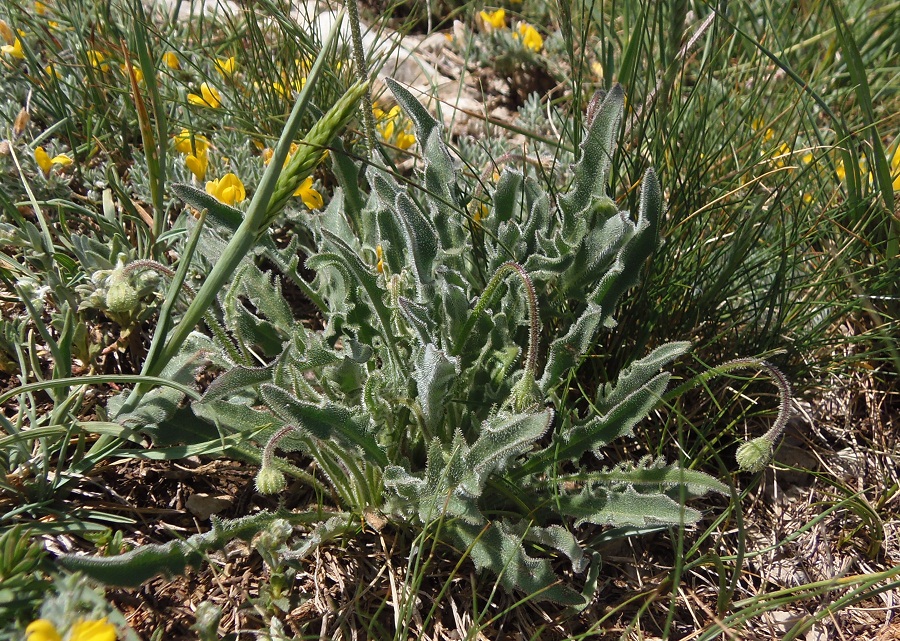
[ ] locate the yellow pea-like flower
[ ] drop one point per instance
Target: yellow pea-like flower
(493, 20)
(15, 50)
(311, 198)
(97, 59)
(405, 140)
(529, 37)
(84, 630)
(138, 74)
(171, 60)
(197, 163)
(45, 162)
(184, 145)
(228, 189)
(100, 630)
(226, 66)
(209, 97)
(379, 255)
(42, 630)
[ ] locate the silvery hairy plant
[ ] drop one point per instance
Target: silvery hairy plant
(453, 325)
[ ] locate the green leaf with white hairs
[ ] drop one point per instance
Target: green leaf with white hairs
(539, 217)
(625, 272)
(637, 374)
(424, 122)
(268, 323)
(508, 197)
(566, 351)
(558, 538)
(362, 276)
(421, 237)
(627, 507)
(502, 437)
(238, 379)
(323, 422)
(597, 149)
(603, 429)
(434, 372)
(142, 563)
(219, 214)
(498, 548)
(654, 474)
(419, 318)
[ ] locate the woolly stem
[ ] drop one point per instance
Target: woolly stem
(486, 299)
(362, 70)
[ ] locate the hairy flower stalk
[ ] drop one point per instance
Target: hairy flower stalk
(755, 455)
(269, 479)
(524, 391)
(211, 321)
(362, 70)
(486, 299)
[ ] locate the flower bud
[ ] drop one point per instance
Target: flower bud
(754, 456)
(270, 480)
(121, 297)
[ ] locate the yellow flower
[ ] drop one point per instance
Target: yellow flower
(386, 129)
(197, 163)
(405, 140)
(481, 212)
(895, 165)
(228, 189)
(44, 630)
(757, 124)
(171, 60)
(97, 59)
(40, 8)
(51, 72)
(61, 159)
(100, 630)
(226, 66)
(6, 32)
(311, 198)
(386, 126)
(45, 162)
(303, 65)
(138, 74)
(782, 155)
(268, 152)
(287, 89)
(209, 97)
(529, 36)
(493, 19)
(15, 50)
(379, 255)
(189, 144)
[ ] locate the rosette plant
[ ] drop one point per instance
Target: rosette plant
(436, 391)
